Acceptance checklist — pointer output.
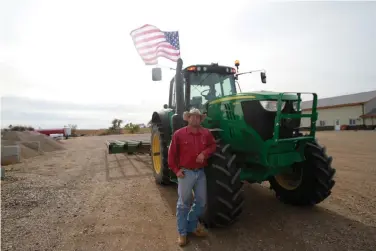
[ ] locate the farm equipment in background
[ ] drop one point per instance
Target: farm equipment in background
(66, 131)
(128, 146)
(257, 135)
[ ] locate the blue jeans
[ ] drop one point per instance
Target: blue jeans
(187, 217)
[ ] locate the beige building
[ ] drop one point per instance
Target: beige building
(357, 109)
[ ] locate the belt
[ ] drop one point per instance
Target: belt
(193, 169)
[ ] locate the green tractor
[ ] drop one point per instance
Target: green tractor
(257, 135)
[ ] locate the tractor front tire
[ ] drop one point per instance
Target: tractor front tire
(313, 179)
(159, 152)
(224, 189)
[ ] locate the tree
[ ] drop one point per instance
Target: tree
(119, 122)
(19, 128)
(132, 128)
(114, 124)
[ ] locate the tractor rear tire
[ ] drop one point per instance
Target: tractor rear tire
(315, 179)
(159, 153)
(224, 189)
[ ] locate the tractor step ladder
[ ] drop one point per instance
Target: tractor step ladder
(128, 146)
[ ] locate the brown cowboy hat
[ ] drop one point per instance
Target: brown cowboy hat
(193, 111)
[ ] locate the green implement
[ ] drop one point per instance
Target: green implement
(128, 146)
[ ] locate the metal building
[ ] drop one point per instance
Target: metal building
(353, 110)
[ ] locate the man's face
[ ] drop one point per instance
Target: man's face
(194, 120)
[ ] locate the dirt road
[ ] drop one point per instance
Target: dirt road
(83, 199)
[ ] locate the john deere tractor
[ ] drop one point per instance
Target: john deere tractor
(258, 139)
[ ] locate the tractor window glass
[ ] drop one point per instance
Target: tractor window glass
(197, 99)
(218, 88)
(228, 86)
(209, 86)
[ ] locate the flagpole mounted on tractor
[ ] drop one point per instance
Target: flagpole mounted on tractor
(152, 43)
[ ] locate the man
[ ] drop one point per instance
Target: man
(190, 148)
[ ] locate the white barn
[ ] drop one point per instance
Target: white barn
(357, 109)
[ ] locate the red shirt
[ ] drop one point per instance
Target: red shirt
(186, 145)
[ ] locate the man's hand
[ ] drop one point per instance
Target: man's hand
(200, 158)
(180, 174)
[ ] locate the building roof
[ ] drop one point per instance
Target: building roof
(356, 98)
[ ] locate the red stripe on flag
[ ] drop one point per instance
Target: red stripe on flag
(151, 43)
(151, 46)
(162, 47)
(147, 32)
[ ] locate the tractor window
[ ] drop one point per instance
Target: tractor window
(228, 86)
(208, 86)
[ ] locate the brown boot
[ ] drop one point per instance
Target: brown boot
(182, 240)
(200, 231)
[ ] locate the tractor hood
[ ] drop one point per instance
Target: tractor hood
(269, 95)
(257, 95)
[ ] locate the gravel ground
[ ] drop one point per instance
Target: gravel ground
(83, 199)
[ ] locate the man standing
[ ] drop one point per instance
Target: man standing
(187, 156)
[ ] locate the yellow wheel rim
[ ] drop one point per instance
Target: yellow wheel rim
(291, 179)
(156, 153)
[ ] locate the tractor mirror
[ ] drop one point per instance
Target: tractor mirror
(263, 77)
(156, 74)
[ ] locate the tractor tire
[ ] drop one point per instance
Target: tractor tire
(225, 197)
(315, 180)
(159, 152)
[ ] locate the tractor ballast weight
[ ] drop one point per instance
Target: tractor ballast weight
(258, 139)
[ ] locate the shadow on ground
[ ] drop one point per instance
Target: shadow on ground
(267, 224)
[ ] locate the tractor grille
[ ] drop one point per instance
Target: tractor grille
(262, 121)
(229, 112)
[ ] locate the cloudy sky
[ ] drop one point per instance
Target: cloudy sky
(74, 62)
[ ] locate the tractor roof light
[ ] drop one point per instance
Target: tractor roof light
(191, 68)
(237, 63)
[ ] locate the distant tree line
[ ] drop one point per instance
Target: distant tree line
(19, 128)
(117, 128)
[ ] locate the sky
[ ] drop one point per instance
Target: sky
(74, 62)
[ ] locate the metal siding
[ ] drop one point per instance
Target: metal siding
(344, 114)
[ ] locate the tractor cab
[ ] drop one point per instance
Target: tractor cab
(201, 84)
(197, 85)
(204, 83)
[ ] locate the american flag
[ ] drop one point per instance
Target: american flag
(152, 43)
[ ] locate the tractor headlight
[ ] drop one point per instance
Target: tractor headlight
(295, 106)
(271, 106)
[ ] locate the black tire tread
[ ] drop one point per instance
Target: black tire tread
(225, 194)
(317, 182)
